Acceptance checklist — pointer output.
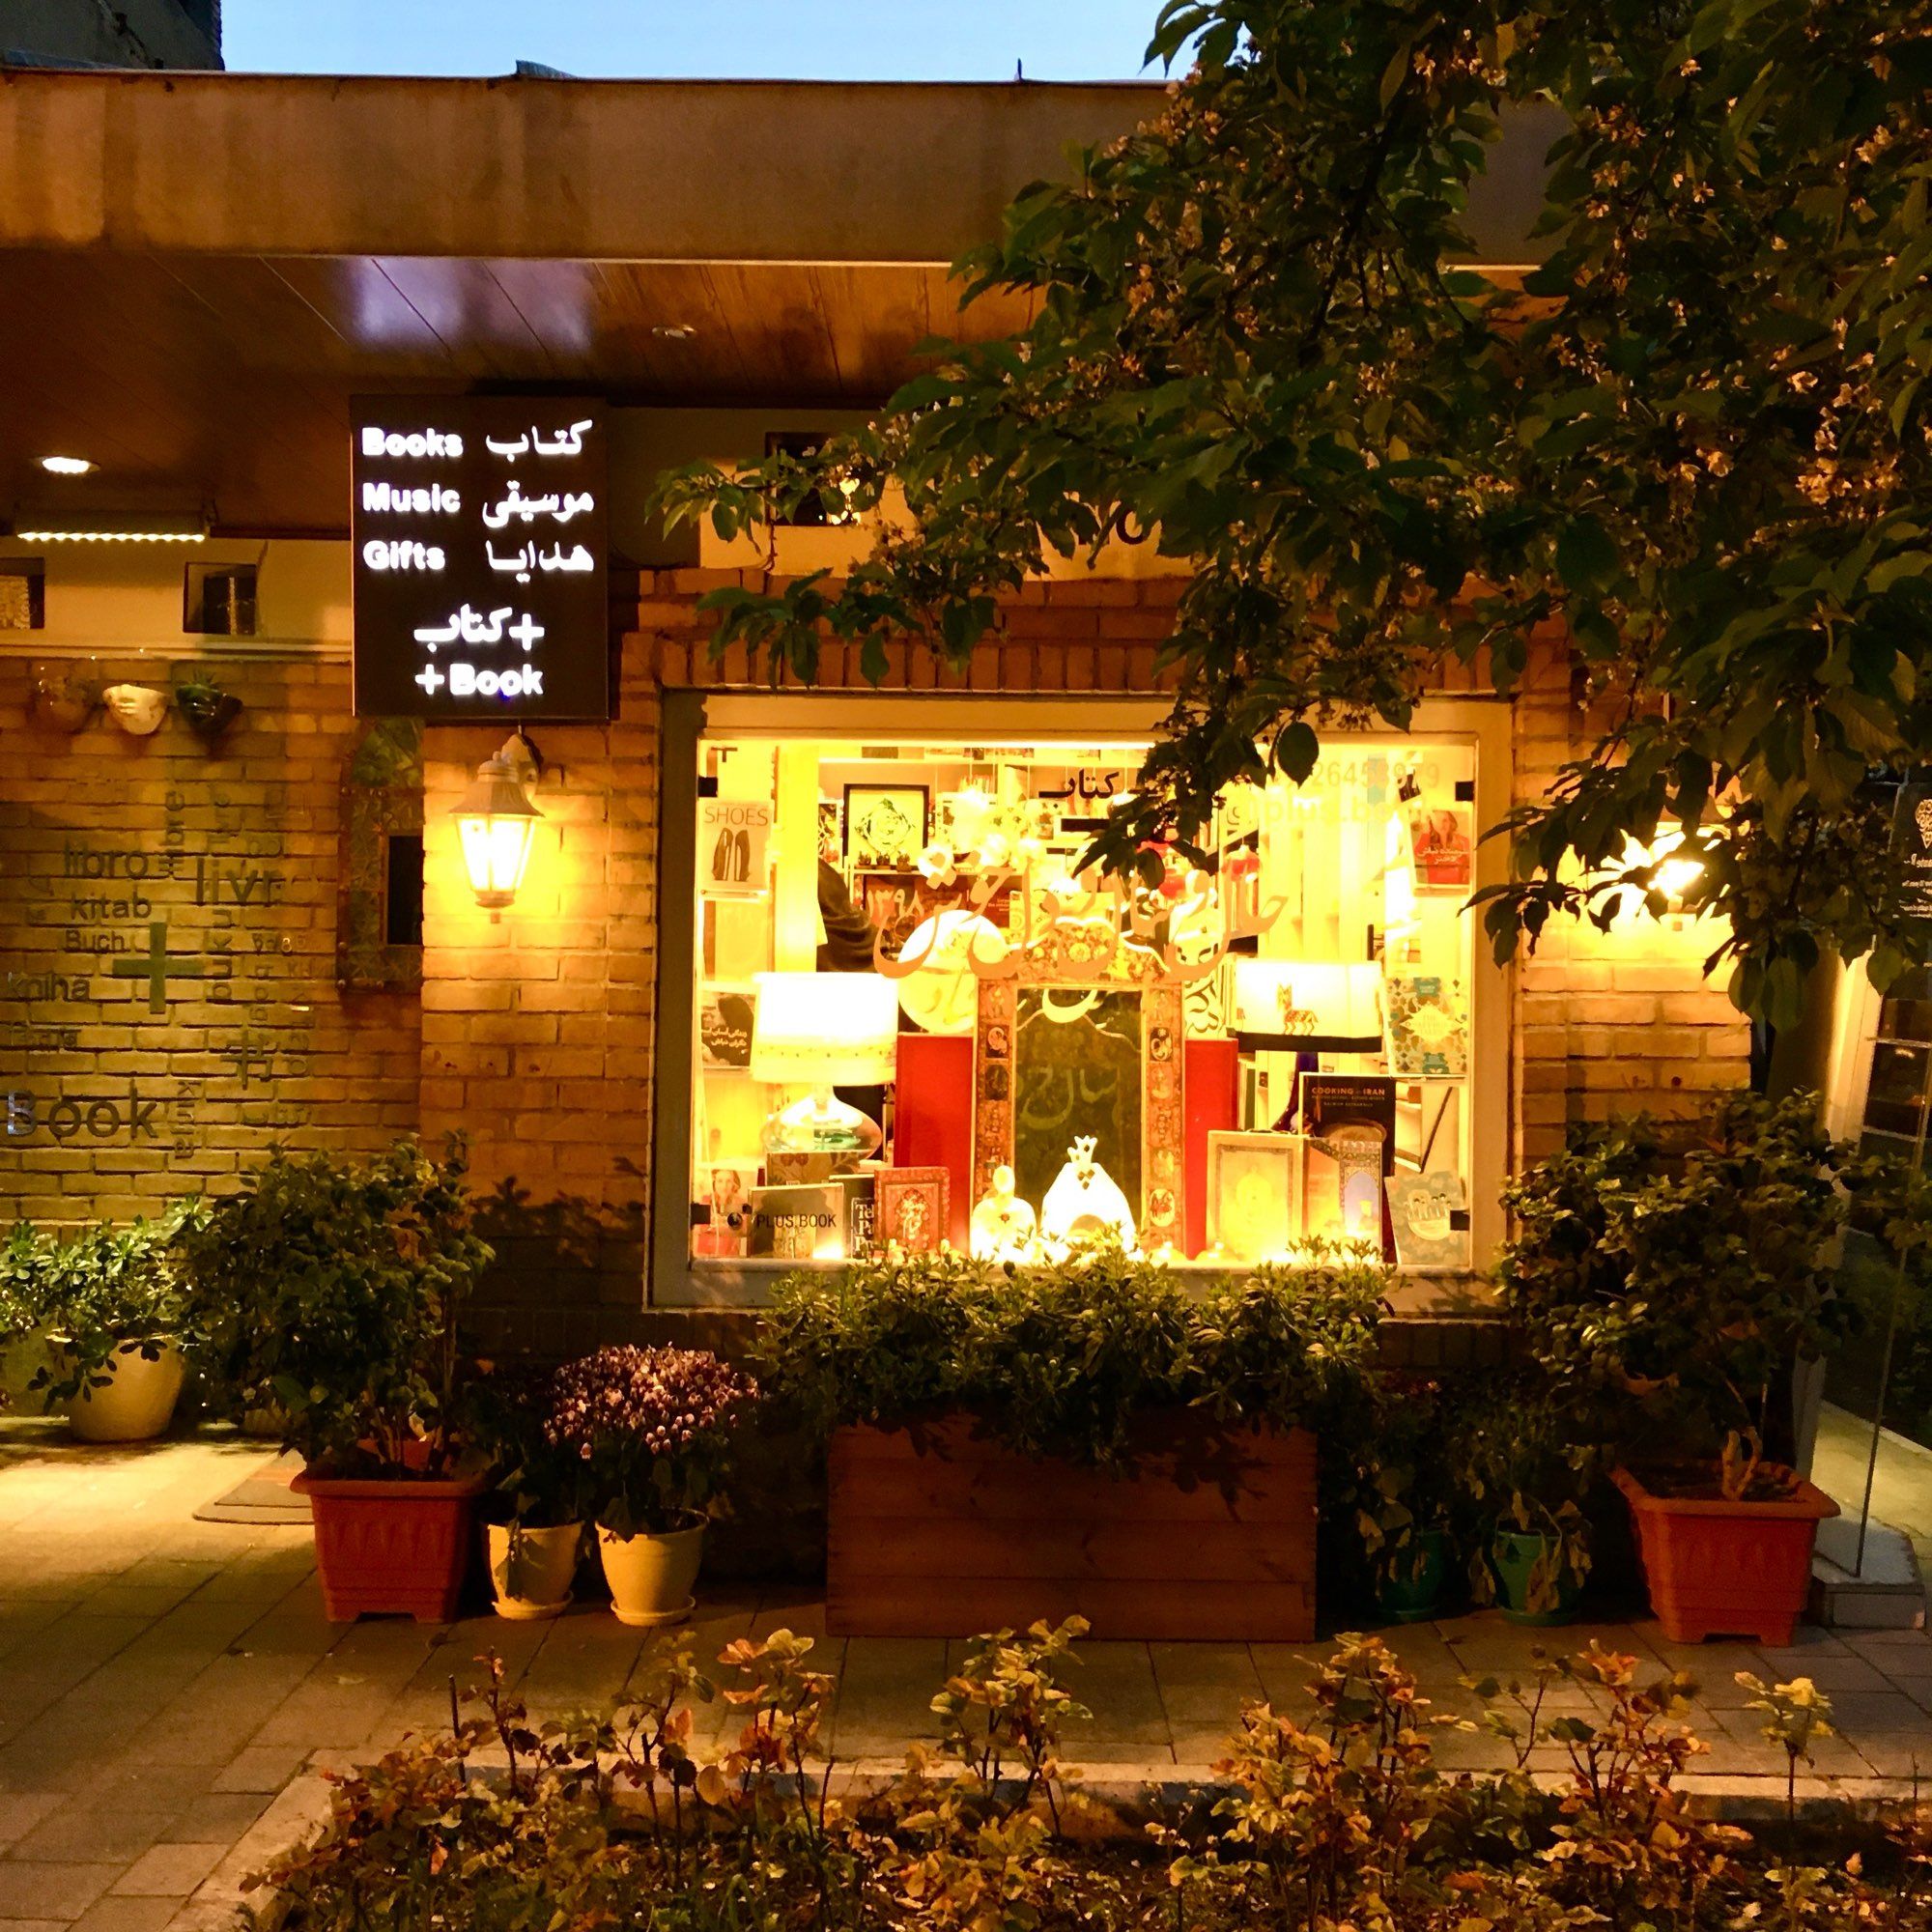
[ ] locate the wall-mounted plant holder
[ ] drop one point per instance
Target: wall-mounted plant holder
(64, 699)
(137, 708)
(208, 709)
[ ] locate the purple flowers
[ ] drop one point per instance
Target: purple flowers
(651, 1424)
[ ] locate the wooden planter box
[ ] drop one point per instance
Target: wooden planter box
(936, 1532)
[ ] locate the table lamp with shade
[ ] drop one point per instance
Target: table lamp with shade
(820, 1031)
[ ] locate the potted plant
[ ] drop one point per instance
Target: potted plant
(1091, 1435)
(1524, 1464)
(651, 1428)
(1405, 1504)
(108, 1301)
(208, 709)
(1667, 1279)
(535, 1515)
(333, 1290)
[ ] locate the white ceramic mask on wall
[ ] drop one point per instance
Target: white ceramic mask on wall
(135, 708)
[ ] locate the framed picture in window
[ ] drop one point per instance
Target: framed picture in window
(886, 825)
(734, 847)
(1443, 838)
(1254, 1194)
(909, 1208)
(724, 1019)
(1083, 1042)
(1429, 1212)
(722, 1191)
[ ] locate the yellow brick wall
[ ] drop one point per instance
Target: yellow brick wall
(535, 1035)
(112, 1105)
(1608, 1022)
(537, 1030)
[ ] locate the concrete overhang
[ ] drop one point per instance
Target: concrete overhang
(618, 170)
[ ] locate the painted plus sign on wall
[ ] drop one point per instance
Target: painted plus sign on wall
(159, 967)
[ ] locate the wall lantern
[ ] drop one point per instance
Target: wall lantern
(1671, 874)
(497, 823)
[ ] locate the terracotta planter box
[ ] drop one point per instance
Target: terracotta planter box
(1725, 1569)
(935, 1532)
(390, 1548)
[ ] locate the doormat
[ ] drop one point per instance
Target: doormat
(262, 1497)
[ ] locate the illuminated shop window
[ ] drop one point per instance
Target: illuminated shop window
(917, 1020)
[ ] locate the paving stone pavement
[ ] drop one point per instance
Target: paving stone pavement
(169, 1689)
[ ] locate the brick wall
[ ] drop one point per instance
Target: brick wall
(168, 1004)
(537, 1030)
(534, 1034)
(1607, 1022)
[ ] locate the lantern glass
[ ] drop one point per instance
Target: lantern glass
(495, 849)
(496, 824)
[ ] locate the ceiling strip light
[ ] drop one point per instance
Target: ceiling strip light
(110, 537)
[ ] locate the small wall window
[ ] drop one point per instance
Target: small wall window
(815, 512)
(403, 889)
(379, 917)
(23, 594)
(219, 600)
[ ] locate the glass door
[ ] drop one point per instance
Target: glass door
(1873, 1452)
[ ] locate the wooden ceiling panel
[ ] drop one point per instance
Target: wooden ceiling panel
(478, 324)
(363, 310)
(226, 378)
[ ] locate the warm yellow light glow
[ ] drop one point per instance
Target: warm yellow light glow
(111, 536)
(495, 854)
(496, 824)
(65, 465)
(825, 1030)
(1672, 877)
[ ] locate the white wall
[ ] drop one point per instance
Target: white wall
(117, 600)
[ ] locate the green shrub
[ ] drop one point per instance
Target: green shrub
(1405, 1483)
(332, 1291)
(95, 1290)
(1523, 1459)
(1667, 1277)
(1062, 1360)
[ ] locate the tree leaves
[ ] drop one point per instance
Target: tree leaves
(1696, 435)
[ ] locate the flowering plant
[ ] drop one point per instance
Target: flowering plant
(651, 1428)
(540, 1484)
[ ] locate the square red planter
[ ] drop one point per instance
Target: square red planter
(1716, 1567)
(390, 1548)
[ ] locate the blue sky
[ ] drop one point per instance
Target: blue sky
(810, 39)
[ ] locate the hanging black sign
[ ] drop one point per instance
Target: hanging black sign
(479, 531)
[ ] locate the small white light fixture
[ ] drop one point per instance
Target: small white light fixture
(496, 823)
(66, 466)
